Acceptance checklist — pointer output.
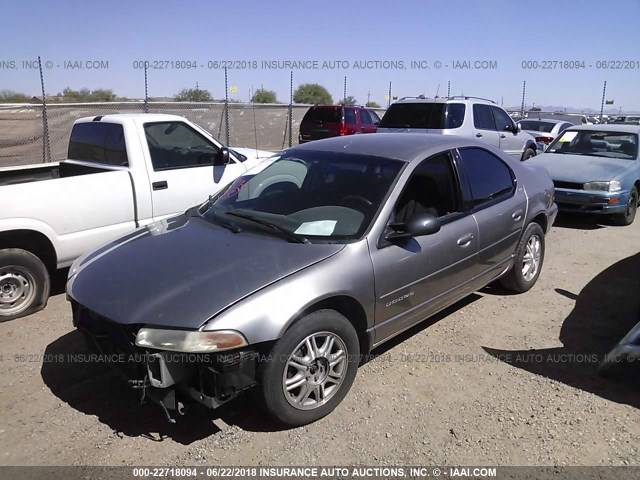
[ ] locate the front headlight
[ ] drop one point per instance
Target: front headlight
(612, 186)
(189, 341)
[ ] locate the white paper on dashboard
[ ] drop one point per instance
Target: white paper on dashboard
(320, 228)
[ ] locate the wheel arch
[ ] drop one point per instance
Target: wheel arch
(32, 241)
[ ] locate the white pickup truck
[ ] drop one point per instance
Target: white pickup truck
(123, 171)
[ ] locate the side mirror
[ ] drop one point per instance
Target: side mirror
(222, 158)
(418, 225)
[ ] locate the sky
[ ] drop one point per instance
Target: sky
(382, 38)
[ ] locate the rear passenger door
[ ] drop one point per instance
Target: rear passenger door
(366, 123)
(499, 206)
(484, 127)
(183, 173)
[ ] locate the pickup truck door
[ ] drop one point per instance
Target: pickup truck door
(499, 206)
(182, 172)
(418, 276)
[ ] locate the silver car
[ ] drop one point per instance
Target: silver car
(544, 130)
(287, 277)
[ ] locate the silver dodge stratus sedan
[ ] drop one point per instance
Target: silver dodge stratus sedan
(281, 282)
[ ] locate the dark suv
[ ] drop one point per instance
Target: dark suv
(324, 121)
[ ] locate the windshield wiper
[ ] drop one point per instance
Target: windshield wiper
(228, 225)
(287, 233)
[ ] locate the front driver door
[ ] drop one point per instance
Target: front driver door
(418, 276)
(183, 173)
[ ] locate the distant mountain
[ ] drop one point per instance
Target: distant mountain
(556, 108)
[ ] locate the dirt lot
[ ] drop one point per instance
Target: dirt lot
(497, 380)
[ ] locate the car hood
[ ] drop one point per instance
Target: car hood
(580, 168)
(182, 271)
(252, 153)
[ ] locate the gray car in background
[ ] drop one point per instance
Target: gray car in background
(283, 280)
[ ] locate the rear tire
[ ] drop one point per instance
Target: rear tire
(301, 390)
(528, 153)
(24, 284)
(528, 260)
(629, 214)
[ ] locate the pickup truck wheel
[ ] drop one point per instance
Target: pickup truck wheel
(24, 283)
(629, 214)
(310, 369)
(528, 153)
(527, 262)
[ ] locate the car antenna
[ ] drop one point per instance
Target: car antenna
(437, 90)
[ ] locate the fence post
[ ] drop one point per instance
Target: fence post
(226, 106)
(291, 110)
(448, 88)
(389, 100)
(604, 92)
(524, 89)
(46, 148)
(344, 91)
(146, 90)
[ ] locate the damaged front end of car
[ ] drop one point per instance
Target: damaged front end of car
(172, 368)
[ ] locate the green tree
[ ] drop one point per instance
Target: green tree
(373, 105)
(193, 95)
(348, 101)
(264, 96)
(312, 93)
(9, 96)
(536, 109)
(86, 95)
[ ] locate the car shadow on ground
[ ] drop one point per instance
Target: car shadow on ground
(605, 310)
(95, 388)
(577, 221)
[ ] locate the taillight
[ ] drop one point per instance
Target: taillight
(343, 129)
(544, 139)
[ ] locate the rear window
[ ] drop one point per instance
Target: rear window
(537, 126)
(98, 142)
(424, 115)
(323, 114)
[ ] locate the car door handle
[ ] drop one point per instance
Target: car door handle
(517, 215)
(163, 185)
(466, 240)
(479, 135)
(502, 135)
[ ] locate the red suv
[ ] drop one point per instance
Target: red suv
(324, 121)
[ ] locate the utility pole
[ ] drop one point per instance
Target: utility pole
(368, 97)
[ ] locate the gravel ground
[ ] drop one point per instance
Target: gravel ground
(497, 379)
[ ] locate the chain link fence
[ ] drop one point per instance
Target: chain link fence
(23, 140)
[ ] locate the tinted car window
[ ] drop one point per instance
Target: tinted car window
(374, 116)
(483, 118)
(489, 177)
(564, 127)
(176, 145)
(365, 118)
(432, 189)
(537, 126)
(502, 118)
(99, 143)
(323, 114)
(423, 115)
(349, 115)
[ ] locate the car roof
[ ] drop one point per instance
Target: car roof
(337, 106)
(454, 99)
(548, 120)
(619, 127)
(405, 147)
(118, 117)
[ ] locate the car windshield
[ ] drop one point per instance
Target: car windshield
(537, 126)
(424, 115)
(596, 143)
(306, 195)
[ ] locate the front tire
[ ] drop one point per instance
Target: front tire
(527, 262)
(24, 284)
(629, 214)
(310, 369)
